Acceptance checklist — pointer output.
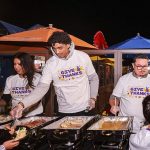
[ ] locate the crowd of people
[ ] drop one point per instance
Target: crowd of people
(76, 86)
(72, 72)
(74, 78)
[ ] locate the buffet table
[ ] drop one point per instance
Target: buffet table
(73, 132)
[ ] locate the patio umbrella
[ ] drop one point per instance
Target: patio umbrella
(7, 28)
(105, 60)
(99, 40)
(36, 26)
(137, 42)
(33, 50)
(39, 37)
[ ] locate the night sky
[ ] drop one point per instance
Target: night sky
(118, 20)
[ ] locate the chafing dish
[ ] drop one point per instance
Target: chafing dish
(35, 137)
(110, 131)
(113, 123)
(57, 124)
(36, 121)
(71, 134)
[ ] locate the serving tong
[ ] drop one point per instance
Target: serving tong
(15, 119)
(14, 122)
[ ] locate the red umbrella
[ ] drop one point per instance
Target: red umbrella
(99, 40)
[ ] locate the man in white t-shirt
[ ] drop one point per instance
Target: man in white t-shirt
(74, 78)
(130, 91)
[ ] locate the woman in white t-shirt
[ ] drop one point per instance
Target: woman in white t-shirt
(22, 83)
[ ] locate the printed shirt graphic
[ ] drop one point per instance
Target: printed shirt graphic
(20, 91)
(138, 92)
(16, 86)
(71, 73)
(70, 80)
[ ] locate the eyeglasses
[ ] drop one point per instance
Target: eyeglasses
(140, 67)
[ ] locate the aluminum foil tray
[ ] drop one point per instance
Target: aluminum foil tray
(70, 122)
(5, 119)
(35, 121)
(112, 123)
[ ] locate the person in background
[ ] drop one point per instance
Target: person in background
(22, 83)
(130, 91)
(74, 78)
(140, 140)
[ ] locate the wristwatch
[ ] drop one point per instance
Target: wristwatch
(2, 147)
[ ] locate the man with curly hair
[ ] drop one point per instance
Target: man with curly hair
(74, 78)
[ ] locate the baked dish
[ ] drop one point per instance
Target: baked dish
(34, 123)
(113, 125)
(72, 123)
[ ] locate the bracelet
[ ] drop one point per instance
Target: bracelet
(94, 99)
(2, 147)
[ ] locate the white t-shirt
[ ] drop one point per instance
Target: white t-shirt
(132, 91)
(70, 79)
(140, 140)
(16, 86)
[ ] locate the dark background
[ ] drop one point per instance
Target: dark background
(118, 20)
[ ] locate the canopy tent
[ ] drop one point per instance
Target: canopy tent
(7, 28)
(137, 42)
(39, 37)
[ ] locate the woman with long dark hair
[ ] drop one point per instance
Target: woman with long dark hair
(22, 83)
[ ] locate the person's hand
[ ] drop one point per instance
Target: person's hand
(91, 103)
(114, 109)
(16, 112)
(10, 129)
(10, 144)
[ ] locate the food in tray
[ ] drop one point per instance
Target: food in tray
(5, 118)
(20, 133)
(72, 123)
(113, 124)
(34, 123)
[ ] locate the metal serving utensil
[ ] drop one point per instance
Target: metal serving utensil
(15, 119)
(14, 122)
